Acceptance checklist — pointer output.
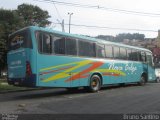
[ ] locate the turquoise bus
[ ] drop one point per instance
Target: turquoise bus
(41, 57)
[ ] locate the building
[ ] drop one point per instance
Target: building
(150, 43)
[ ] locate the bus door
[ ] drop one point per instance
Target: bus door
(150, 66)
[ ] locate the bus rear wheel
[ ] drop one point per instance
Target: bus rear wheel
(95, 83)
(142, 81)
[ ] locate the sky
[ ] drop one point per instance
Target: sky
(112, 19)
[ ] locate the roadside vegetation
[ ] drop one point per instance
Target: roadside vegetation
(4, 87)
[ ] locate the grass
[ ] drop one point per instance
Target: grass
(4, 87)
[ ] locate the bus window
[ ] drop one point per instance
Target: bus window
(129, 54)
(143, 57)
(20, 40)
(100, 51)
(59, 45)
(116, 52)
(44, 41)
(109, 51)
(138, 55)
(71, 46)
(86, 49)
(123, 54)
(134, 55)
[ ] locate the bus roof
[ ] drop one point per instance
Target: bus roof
(84, 37)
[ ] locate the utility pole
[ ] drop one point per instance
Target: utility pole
(62, 24)
(70, 20)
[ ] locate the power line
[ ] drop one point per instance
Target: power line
(57, 11)
(102, 8)
(68, 4)
(100, 27)
(104, 27)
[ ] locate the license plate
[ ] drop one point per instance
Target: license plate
(16, 83)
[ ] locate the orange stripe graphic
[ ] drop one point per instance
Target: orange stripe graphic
(82, 74)
(43, 73)
(111, 74)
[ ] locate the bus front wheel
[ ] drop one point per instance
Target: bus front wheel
(95, 83)
(157, 80)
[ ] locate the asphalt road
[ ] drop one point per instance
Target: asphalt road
(117, 100)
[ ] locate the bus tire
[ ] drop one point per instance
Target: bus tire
(95, 83)
(142, 81)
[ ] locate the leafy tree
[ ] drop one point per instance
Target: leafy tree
(106, 37)
(122, 36)
(33, 15)
(9, 22)
(137, 36)
(12, 20)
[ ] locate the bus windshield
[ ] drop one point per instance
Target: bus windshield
(20, 39)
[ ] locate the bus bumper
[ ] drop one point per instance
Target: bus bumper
(23, 82)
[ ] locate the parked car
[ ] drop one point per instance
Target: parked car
(157, 72)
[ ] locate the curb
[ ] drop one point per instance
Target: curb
(29, 89)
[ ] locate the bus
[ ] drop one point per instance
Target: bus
(42, 57)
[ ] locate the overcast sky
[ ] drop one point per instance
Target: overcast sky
(100, 17)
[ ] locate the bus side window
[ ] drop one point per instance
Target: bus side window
(100, 50)
(116, 52)
(129, 54)
(71, 46)
(142, 56)
(134, 55)
(44, 41)
(86, 48)
(47, 43)
(59, 45)
(149, 59)
(109, 51)
(123, 54)
(139, 56)
(39, 37)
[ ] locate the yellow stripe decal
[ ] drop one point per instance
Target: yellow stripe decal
(65, 73)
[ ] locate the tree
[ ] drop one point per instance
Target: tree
(33, 15)
(12, 20)
(9, 22)
(137, 36)
(106, 37)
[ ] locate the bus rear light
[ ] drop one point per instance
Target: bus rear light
(28, 69)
